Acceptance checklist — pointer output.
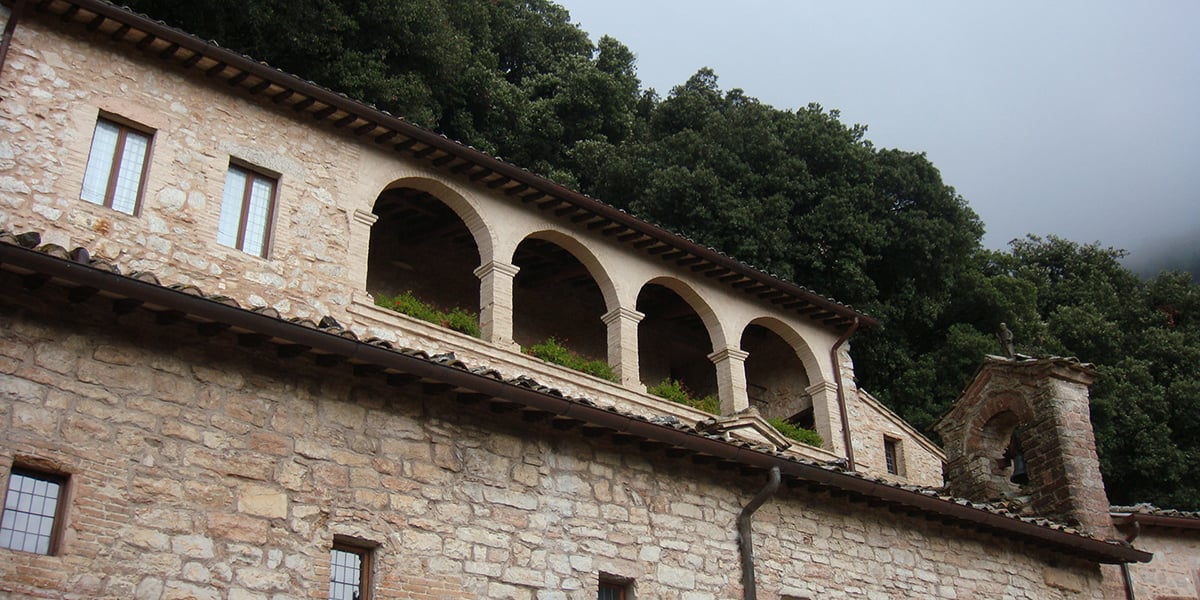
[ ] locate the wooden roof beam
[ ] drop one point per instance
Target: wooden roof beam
(260, 87)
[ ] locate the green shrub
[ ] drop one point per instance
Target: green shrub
(800, 434)
(552, 351)
(458, 319)
(674, 391)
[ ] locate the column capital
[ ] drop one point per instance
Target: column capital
(623, 314)
(819, 387)
(728, 353)
(364, 217)
(496, 266)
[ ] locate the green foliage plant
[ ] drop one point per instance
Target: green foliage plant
(457, 318)
(800, 434)
(673, 390)
(552, 351)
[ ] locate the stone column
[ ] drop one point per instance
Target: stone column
(359, 247)
(731, 379)
(496, 302)
(622, 326)
(826, 416)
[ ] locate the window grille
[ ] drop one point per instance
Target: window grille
(31, 512)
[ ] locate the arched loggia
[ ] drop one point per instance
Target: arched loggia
(556, 296)
(674, 341)
(776, 379)
(419, 244)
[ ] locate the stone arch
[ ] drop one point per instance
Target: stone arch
(466, 209)
(804, 352)
(777, 378)
(561, 291)
(428, 239)
(712, 324)
(678, 333)
(994, 440)
(581, 253)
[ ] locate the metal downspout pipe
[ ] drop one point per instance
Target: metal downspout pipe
(9, 28)
(1129, 595)
(745, 539)
(841, 394)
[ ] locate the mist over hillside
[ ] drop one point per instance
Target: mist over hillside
(1176, 253)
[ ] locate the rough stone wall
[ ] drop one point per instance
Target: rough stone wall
(54, 88)
(204, 470)
(921, 461)
(1174, 574)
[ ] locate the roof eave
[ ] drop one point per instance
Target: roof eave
(202, 310)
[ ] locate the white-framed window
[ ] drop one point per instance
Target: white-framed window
(33, 509)
(247, 210)
(116, 168)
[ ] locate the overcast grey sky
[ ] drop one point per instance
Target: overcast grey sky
(1074, 118)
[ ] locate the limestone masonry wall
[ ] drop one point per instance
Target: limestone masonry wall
(202, 470)
(1174, 574)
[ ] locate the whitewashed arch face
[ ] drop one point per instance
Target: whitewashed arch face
(585, 256)
(808, 358)
(424, 237)
(556, 294)
(679, 339)
(703, 308)
(468, 211)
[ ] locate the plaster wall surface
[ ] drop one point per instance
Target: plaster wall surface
(202, 470)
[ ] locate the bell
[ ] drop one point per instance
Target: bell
(1019, 475)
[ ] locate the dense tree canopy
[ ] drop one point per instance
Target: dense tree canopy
(794, 192)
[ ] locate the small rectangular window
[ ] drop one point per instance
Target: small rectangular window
(32, 512)
(116, 166)
(247, 209)
(891, 454)
(612, 588)
(349, 572)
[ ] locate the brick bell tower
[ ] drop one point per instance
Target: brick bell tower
(1022, 431)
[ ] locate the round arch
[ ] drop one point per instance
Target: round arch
(808, 358)
(427, 240)
(580, 252)
(677, 337)
(716, 332)
(467, 210)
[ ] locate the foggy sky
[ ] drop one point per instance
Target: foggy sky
(1079, 119)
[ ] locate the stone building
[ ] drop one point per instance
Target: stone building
(201, 398)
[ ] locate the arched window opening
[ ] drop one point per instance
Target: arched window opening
(1014, 454)
(1001, 450)
(776, 379)
(555, 296)
(420, 245)
(673, 343)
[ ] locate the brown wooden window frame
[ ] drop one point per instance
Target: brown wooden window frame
(116, 160)
(618, 588)
(62, 480)
(251, 175)
(365, 553)
(893, 456)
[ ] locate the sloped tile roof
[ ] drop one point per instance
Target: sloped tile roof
(330, 343)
